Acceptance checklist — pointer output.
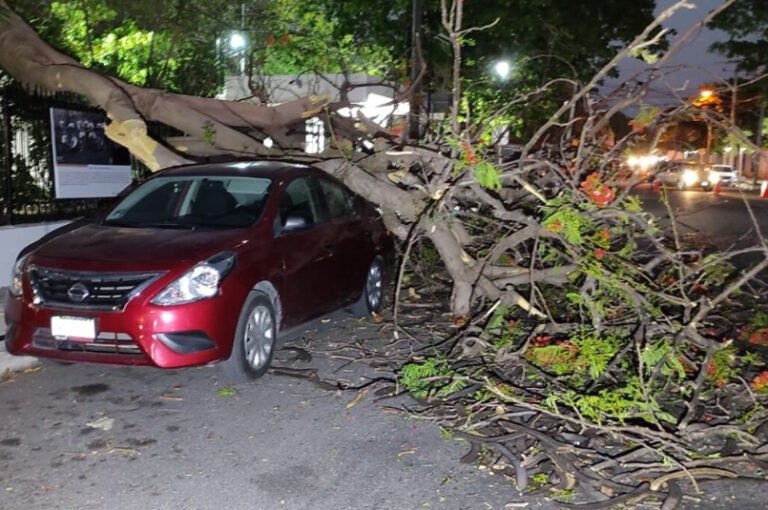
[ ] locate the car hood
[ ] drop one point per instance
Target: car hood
(100, 247)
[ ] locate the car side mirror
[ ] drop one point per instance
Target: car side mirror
(295, 222)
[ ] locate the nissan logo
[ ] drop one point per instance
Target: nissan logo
(78, 292)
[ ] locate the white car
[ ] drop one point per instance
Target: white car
(723, 174)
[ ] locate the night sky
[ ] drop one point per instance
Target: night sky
(694, 64)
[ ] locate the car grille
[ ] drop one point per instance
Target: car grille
(105, 342)
(86, 290)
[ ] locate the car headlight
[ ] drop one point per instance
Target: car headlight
(690, 177)
(17, 277)
(200, 282)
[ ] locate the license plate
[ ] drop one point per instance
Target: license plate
(73, 328)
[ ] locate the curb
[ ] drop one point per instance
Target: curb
(9, 362)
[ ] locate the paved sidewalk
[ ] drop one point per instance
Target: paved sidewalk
(9, 363)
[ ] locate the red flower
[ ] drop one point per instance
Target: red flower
(599, 253)
(605, 234)
(470, 157)
(759, 337)
(760, 382)
(556, 226)
(600, 194)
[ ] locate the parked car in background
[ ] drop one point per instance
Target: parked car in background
(683, 175)
(201, 264)
(723, 174)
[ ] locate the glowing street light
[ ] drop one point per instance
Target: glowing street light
(237, 41)
(502, 69)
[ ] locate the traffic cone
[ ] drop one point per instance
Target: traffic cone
(764, 189)
(716, 188)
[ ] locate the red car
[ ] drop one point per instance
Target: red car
(199, 264)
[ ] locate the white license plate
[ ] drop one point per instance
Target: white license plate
(76, 328)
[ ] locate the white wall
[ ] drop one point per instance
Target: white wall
(14, 238)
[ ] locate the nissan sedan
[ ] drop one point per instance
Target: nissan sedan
(201, 264)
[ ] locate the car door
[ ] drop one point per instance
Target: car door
(352, 244)
(305, 253)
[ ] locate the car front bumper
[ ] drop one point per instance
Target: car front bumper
(167, 337)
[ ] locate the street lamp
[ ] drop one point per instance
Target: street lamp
(502, 69)
(237, 41)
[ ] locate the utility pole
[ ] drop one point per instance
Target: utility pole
(759, 143)
(414, 104)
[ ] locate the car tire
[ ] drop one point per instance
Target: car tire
(371, 298)
(255, 341)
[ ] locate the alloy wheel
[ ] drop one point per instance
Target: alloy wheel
(373, 286)
(259, 337)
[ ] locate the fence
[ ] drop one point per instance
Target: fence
(26, 160)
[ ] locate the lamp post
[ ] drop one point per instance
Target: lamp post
(707, 98)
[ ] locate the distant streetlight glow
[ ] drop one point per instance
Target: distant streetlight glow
(237, 41)
(502, 69)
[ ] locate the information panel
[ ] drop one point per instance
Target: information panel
(86, 164)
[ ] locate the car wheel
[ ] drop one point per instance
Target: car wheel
(255, 341)
(373, 290)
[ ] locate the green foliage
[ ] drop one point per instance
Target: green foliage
(227, 391)
(632, 204)
(716, 270)
(499, 317)
(595, 352)
(431, 377)
(645, 117)
(568, 221)
(746, 23)
(662, 351)
(619, 404)
(209, 133)
(722, 367)
(584, 354)
(488, 175)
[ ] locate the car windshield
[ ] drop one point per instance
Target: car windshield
(193, 201)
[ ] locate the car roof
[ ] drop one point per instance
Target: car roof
(268, 169)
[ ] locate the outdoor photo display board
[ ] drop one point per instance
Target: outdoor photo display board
(86, 164)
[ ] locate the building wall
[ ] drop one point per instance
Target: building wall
(14, 238)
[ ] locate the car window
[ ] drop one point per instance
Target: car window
(193, 201)
(339, 201)
(299, 200)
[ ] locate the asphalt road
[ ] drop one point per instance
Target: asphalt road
(719, 217)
